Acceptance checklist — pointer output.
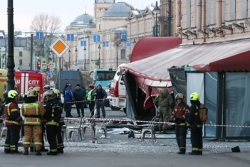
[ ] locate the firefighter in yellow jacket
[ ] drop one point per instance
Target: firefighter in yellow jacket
(32, 111)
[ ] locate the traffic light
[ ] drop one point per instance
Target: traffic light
(38, 65)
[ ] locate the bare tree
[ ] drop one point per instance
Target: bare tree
(48, 24)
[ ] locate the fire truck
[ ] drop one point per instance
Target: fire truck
(28, 78)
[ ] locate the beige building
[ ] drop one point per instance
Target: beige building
(167, 17)
(140, 24)
(111, 19)
(206, 21)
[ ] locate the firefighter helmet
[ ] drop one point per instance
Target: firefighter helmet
(194, 96)
(57, 92)
(46, 87)
(32, 93)
(37, 89)
(91, 86)
(179, 96)
(49, 95)
(12, 94)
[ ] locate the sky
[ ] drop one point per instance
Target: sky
(67, 10)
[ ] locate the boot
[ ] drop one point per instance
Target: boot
(26, 151)
(60, 150)
(164, 131)
(182, 151)
(7, 151)
(38, 153)
(51, 153)
(43, 149)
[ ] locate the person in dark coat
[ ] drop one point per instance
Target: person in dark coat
(79, 96)
(100, 96)
(195, 125)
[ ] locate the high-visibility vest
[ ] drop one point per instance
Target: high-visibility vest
(33, 117)
(90, 95)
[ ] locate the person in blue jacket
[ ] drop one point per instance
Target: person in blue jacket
(68, 100)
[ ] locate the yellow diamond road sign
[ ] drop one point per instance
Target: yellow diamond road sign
(59, 47)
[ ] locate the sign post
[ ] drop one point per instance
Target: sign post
(59, 47)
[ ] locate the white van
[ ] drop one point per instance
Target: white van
(118, 92)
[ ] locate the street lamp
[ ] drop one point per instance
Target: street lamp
(99, 47)
(117, 45)
(156, 11)
(69, 58)
(84, 58)
(76, 55)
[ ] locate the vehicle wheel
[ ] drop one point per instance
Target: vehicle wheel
(124, 110)
(115, 108)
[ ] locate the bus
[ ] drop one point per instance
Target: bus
(103, 77)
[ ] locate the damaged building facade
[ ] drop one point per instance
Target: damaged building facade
(213, 60)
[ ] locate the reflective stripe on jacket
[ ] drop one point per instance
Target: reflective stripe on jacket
(52, 122)
(9, 112)
(31, 114)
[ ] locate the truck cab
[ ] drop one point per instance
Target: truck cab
(118, 92)
(26, 79)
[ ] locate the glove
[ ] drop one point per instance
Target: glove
(177, 120)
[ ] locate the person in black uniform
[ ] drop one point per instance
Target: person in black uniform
(179, 115)
(52, 117)
(195, 125)
(100, 95)
(60, 145)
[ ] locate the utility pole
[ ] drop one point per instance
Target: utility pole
(169, 17)
(31, 51)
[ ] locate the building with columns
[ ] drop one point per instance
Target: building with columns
(97, 40)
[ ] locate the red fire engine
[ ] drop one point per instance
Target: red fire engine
(27, 79)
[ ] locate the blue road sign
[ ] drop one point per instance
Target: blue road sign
(105, 44)
(48, 73)
(39, 35)
(128, 43)
(83, 43)
(70, 37)
(97, 38)
(123, 35)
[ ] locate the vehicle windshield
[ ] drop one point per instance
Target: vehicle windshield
(105, 75)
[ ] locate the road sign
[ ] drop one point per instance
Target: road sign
(59, 47)
(39, 35)
(97, 38)
(83, 43)
(48, 73)
(52, 65)
(123, 35)
(70, 37)
(44, 66)
(105, 44)
(128, 43)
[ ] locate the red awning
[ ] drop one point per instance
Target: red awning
(149, 46)
(226, 56)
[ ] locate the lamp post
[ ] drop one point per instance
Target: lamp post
(156, 11)
(99, 47)
(117, 45)
(85, 58)
(10, 64)
(76, 56)
(69, 58)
